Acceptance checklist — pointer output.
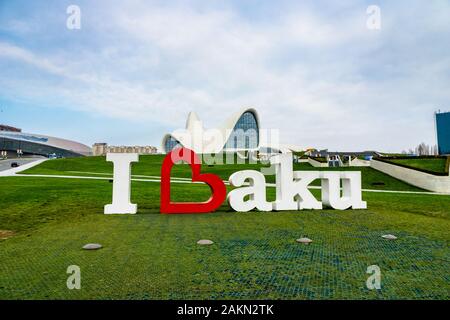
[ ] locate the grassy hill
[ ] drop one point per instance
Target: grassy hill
(438, 164)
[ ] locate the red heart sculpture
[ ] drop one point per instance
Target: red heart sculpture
(218, 189)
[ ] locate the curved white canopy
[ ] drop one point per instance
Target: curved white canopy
(201, 140)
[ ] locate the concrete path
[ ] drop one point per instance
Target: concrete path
(144, 178)
(6, 164)
(24, 164)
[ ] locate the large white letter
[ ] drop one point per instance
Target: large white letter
(304, 197)
(293, 194)
(122, 183)
(351, 190)
(256, 191)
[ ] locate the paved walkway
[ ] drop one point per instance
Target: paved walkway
(24, 164)
(145, 178)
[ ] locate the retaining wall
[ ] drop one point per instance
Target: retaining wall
(417, 178)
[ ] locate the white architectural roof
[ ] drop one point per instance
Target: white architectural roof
(48, 141)
(200, 140)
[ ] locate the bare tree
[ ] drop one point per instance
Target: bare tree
(424, 150)
(434, 150)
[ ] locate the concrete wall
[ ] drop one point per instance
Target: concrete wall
(317, 164)
(359, 163)
(417, 178)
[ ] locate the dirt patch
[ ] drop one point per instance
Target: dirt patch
(5, 234)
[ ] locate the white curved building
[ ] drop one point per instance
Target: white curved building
(239, 133)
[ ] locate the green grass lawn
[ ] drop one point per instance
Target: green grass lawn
(151, 166)
(432, 164)
(254, 255)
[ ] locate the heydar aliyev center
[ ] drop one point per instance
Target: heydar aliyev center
(241, 132)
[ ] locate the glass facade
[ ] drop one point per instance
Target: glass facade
(27, 137)
(245, 134)
(443, 132)
(31, 148)
(170, 144)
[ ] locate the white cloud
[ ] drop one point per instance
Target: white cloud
(323, 79)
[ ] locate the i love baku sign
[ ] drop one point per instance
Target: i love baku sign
(249, 192)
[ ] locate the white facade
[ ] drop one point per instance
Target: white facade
(201, 140)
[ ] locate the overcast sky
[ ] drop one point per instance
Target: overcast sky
(312, 69)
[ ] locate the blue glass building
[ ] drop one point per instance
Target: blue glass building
(245, 134)
(170, 144)
(443, 132)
